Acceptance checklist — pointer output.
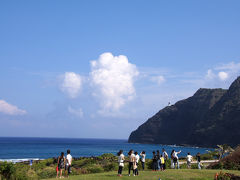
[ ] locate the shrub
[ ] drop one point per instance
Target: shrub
(31, 174)
(232, 161)
(47, 172)
(110, 167)
(7, 170)
(95, 169)
(208, 156)
(226, 176)
(183, 166)
(78, 171)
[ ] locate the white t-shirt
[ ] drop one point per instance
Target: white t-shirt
(175, 155)
(132, 157)
(121, 160)
(143, 157)
(137, 158)
(69, 159)
(189, 158)
(165, 154)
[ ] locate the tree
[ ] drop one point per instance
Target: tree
(224, 149)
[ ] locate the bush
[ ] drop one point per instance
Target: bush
(95, 169)
(78, 171)
(7, 170)
(31, 174)
(226, 176)
(110, 167)
(47, 172)
(231, 162)
(208, 156)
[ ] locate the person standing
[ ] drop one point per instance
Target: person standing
(121, 159)
(162, 163)
(131, 161)
(198, 160)
(135, 166)
(143, 159)
(165, 156)
(154, 161)
(68, 163)
(61, 164)
(175, 159)
(158, 160)
(137, 160)
(189, 160)
(172, 163)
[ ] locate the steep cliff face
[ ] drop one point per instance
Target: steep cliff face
(209, 117)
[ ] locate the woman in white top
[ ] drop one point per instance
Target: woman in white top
(131, 161)
(189, 160)
(120, 162)
(175, 158)
(143, 159)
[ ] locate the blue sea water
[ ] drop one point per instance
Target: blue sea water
(12, 148)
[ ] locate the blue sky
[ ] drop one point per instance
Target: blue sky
(100, 69)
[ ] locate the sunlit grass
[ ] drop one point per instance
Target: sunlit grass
(170, 174)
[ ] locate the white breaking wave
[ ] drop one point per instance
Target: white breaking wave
(19, 160)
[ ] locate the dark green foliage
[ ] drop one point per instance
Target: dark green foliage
(47, 168)
(149, 164)
(232, 161)
(110, 167)
(168, 163)
(47, 172)
(201, 120)
(194, 166)
(95, 169)
(208, 156)
(7, 170)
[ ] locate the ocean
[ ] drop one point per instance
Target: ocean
(16, 149)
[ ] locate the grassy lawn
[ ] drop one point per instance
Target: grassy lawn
(170, 174)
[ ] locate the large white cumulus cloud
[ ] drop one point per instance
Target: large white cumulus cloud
(10, 109)
(113, 79)
(71, 84)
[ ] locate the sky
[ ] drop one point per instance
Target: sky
(99, 69)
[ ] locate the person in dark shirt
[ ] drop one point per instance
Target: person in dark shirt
(154, 161)
(198, 160)
(158, 160)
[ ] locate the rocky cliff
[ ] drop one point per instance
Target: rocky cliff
(208, 118)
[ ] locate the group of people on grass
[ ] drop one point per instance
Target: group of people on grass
(64, 163)
(134, 159)
(189, 158)
(158, 161)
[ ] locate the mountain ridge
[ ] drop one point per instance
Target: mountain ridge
(203, 119)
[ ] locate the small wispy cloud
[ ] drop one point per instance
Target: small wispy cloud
(71, 84)
(224, 72)
(158, 79)
(10, 109)
(76, 112)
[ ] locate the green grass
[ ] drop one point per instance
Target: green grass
(170, 174)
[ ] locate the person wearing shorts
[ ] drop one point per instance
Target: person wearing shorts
(60, 164)
(189, 160)
(68, 163)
